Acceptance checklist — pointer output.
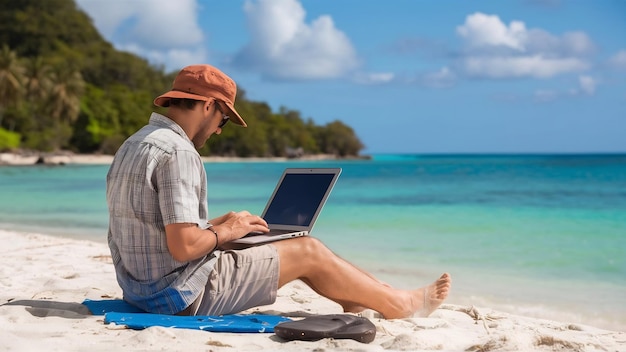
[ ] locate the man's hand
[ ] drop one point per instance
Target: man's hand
(186, 242)
(232, 226)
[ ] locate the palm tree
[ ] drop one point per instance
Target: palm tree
(11, 75)
(37, 79)
(61, 108)
(67, 87)
(37, 86)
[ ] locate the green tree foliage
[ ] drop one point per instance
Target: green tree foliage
(9, 140)
(339, 139)
(62, 86)
(44, 28)
(11, 76)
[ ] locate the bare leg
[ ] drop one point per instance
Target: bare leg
(308, 259)
(349, 307)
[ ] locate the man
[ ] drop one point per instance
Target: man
(170, 259)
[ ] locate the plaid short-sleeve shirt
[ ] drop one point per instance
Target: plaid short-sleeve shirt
(157, 178)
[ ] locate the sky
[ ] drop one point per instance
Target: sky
(409, 76)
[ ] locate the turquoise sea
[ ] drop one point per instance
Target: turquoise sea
(538, 235)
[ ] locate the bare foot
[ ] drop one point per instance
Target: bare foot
(421, 302)
(426, 299)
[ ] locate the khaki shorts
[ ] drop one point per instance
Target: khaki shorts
(241, 279)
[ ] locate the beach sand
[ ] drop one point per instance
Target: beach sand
(67, 158)
(44, 279)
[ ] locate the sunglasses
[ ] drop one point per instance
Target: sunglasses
(224, 116)
(224, 121)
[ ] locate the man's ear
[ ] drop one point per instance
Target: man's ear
(207, 104)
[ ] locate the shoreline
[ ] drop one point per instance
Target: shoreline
(25, 159)
(65, 158)
(43, 274)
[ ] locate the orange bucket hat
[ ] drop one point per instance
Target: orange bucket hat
(203, 82)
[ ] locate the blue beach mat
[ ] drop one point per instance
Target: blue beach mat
(119, 312)
(100, 307)
(221, 323)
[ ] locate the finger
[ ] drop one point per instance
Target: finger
(259, 220)
(261, 228)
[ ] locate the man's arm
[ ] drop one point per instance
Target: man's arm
(187, 241)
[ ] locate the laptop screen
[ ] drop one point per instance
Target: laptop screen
(297, 199)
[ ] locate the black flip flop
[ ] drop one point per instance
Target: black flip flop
(337, 326)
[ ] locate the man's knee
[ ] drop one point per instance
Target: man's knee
(312, 245)
(305, 247)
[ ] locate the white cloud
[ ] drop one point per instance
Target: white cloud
(576, 43)
(587, 84)
(174, 59)
(618, 60)
(443, 78)
(374, 78)
(165, 32)
(535, 66)
(284, 46)
(495, 50)
(168, 24)
(481, 30)
(108, 18)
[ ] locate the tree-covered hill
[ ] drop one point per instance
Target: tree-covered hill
(64, 87)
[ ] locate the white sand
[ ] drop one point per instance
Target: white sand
(66, 158)
(43, 280)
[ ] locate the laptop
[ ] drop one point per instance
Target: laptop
(295, 204)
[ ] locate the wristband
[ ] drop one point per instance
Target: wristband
(217, 240)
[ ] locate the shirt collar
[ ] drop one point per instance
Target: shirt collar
(163, 121)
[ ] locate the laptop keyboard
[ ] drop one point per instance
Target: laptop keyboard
(271, 233)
